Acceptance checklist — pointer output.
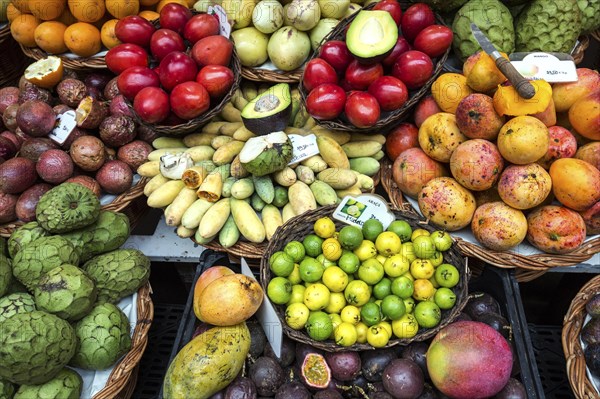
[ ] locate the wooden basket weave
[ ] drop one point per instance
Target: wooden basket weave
(127, 367)
(387, 120)
(300, 226)
(12, 62)
(77, 64)
(572, 324)
(266, 75)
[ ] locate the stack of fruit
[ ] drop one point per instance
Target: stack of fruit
(61, 279)
(383, 55)
(486, 158)
(365, 286)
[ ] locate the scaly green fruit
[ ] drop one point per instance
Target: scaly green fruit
(66, 385)
(20, 302)
(22, 236)
(67, 207)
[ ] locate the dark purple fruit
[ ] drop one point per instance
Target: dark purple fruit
(481, 303)
(34, 147)
(32, 92)
(7, 148)
(375, 361)
(592, 307)
(375, 387)
(241, 388)
(28, 200)
(417, 352)
(345, 366)
(302, 350)
(116, 131)
(17, 175)
(462, 316)
(592, 358)
(71, 92)
(97, 80)
(218, 395)
(327, 394)
(111, 90)
(498, 323)
(292, 390)
(428, 392)
(36, 118)
(288, 352)
(8, 204)
(403, 379)
(258, 339)
(381, 395)
(590, 333)
(267, 375)
(9, 117)
(513, 389)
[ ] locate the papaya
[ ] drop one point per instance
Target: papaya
(208, 363)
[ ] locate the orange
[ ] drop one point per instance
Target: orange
(46, 72)
(148, 2)
(122, 8)
(22, 6)
(83, 39)
(163, 3)
(107, 34)
(22, 29)
(149, 15)
(50, 37)
(66, 17)
(87, 10)
(47, 9)
(12, 12)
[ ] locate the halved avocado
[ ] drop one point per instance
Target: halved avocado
(372, 35)
(270, 111)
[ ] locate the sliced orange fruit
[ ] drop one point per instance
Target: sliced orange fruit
(46, 72)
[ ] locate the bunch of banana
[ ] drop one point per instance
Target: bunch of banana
(205, 191)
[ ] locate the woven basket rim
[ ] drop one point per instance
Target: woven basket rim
(13, 62)
(119, 204)
(267, 75)
(304, 221)
(572, 325)
(81, 63)
(122, 371)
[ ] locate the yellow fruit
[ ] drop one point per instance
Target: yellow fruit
(66, 17)
(377, 336)
(83, 39)
(87, 10)
(46, 72)
(332, 249)
(423, 289)
(405, 327)
(163, 3)
(22, 6)
(149, 15)
(366, 250)
(345, 334)
(107, 34)
(387, 326)
(388, 243)
(337, 302)
(50, 37)
(449, 89)
(122, 8)
(350, 314)
(148, 2)
(324, 227)
(335, 279)
(23, 29)
(12, 12)
(361, 332)
(47, 9)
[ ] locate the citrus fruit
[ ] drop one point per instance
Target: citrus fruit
(21, 5)
(345, 334)
(417, 233)
(12, 12)
(22, 29)
(427, 314)
(316, 296)
(361, 332)
(405, 327)
(148, 2)
(408, 251)
(371, 271)
(377, 336)
(281, 265)
(434, 281)
(279, 290)
(381, 258)
(437, 259)
(311, 270)
(47, 9)
(312, 245)
(294, 276)
(296, 315)
(393, 307)
(396, 265)
(122, 8)
(442, 240)
(401, 228)
(332, 249)
(387, 326)
(371, 229)
(350, 237)
(421, 268)
(423, 289)
(383, 288)
(46, 72)
(447, 275)
(107, 34)
(357, 293)
(445, 298)
(50, 37)
(409, 304)
(336, 320)
(325, 262)
(83, 39)
(297, 294)
(408, 276)
(423, 247)
(163, 3)
(319, 326)
(324, 227)
(402, 287)
(365, 250)
(350, 314)
(295, 250)
(149, 15)
(369, 314)
(348, 262)
(87, 10)
(337, 302)
(335, 279)
(388, 243)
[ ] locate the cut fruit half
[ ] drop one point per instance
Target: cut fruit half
(46, 72)
(372, 36)
(266, 154)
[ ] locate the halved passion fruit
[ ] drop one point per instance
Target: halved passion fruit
(46, 72)
(90, 113)
(315, 371)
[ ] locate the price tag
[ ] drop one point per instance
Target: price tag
(224, 25)
(304, 147)
(65, 123)
(551, 67)
(357, 210)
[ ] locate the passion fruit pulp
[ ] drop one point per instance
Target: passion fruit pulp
(315, 371)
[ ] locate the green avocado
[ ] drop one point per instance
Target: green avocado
(372, 35)
(270, 111)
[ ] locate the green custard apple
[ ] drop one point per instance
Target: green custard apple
(66, 385)
(20, 302)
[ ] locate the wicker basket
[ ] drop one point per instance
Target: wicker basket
(299, 227)
(13, 62)
(132, 203)
(572, 324)
(77, 64)
(266, 75)
(583, 42)
(388, 119)
(127, 367)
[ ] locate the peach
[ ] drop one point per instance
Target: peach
(476, 117)
(412, 169)
(590, 153)
(584, 116)
(524, 186)
(523, 140)
(565, 94)
(446, 203)
(555, 229)
(439, 136)
(498, 226)
(562, 144)
(575, 183)
(424, 109)
(476, 164)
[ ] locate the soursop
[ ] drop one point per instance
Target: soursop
(492, 17)
(35, 347)
(67, 207)
(41, 256)
(590, 15)
(13, 304)
(3, 246)
(66, 385)
(66, 291)
(442, 5)
(24, 235)
(103, 337)
(548, 25)
(266, 154)
(7, 390)
(109, 232)
(118, 273)
(5, 274)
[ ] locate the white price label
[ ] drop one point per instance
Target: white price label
(65, 123)
(545, 66)
(357, 210)
(304, 147)
(224, 25)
